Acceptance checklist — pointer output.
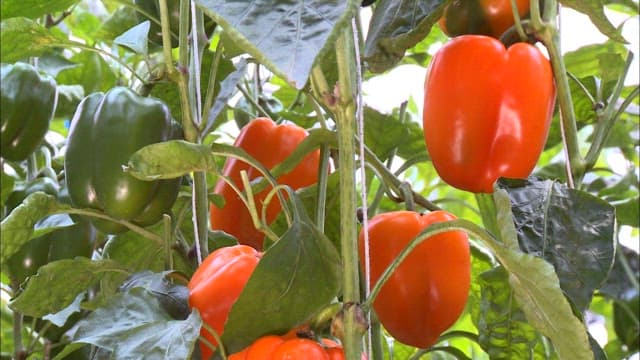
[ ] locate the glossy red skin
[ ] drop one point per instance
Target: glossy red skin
(216, 285)
(487, 111)
(270, 144)
(428, 291)
(487, 17)
(299, 349)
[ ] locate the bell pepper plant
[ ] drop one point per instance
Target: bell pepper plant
(482, 17)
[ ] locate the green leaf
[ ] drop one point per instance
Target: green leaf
(286, 37)
(33, 9)
(571, 229)
(17, 228)
(93, 73)
(619, 286)
(595, 10)
(397, 26)
(58, 283)
(134, 326)
(122, 18)
(135, 38)
(69, 96)
(503, 331)
(60, 318)
(22, 38)
(52, 63)
(169, 160)
(385, 133)
(50, 224)
(7, 187)
(537, 290)
(295, 278)
(227, 89)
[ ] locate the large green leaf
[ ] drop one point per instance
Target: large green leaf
(58, 283)
(134, 326)
(21, 38)
(284, 36)
(385, 133)
(396, 26)
(33, 9)
(17, 228)
(595, 10)
(295, 278)
(571, 229)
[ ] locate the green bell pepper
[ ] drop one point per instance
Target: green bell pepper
(28, 104)
(105, 131)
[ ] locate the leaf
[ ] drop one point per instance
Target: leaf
(133, 326)
(60, 318)
(7, 187)
(58, 283)
(503, 331)
(286, 37)
(571, 229)
(33, 9)
(52, 63)
(17, 228)
(135, 38)
(227, 89)
(169, 160)
(537, 290)
(69, 96)
(93, 73)
(595, 10)
(618, 285)
(296, 277)
(124, 17)
(51, 223)
(385, 133)
(397, 26)
(22, 38)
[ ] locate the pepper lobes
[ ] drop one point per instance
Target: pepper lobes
(105, 131)
(29, 101)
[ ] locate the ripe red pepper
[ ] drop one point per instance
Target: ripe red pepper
(487, 111)
(482, 17)
(270, 144)
(216, 285)
(428, 291)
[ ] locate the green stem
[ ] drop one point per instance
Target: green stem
(17, 333)
(518, 22)
(211, 85)
(201, 211)
(550, 37)
(168, 257)
(609, 117)
(345, 119)
(253, 101)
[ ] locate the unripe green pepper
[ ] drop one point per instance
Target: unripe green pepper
(28, 104)
(105, 131)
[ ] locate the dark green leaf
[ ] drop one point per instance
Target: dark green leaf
(18, 227)
(22, 38)
(595, 10)
(570, 229)
(7, 187)
(173, 298)
(58, 283)
(69, 96)
(503, 330)
(397, 26)
(627, 212)
(295, 278)
(169, 160)
(133, 326)
(619, 286)
(284, 36)
(33, 9)
(135, 38)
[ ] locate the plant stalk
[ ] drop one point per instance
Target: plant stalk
(546, 31)
(345, 119)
